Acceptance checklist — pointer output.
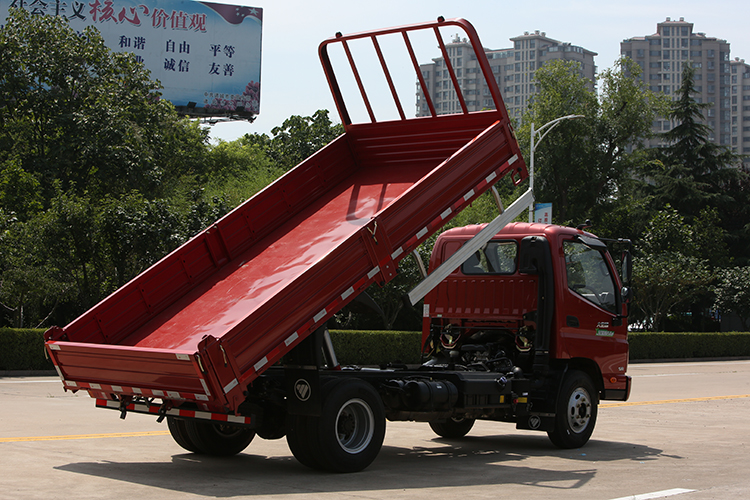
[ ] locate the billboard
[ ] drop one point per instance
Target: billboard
(543, 213)
(206, 55)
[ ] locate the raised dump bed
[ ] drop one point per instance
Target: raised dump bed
(206, 320)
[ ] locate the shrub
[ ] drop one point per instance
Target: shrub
(23, 349)
(660, 345)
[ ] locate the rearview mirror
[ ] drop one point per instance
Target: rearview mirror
(627, 267)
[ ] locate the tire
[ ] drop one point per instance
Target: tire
(218, 439)
(274, 426)
(179, 434)
(349, 433)
(454, 427)
(300, 436)
(576, 411)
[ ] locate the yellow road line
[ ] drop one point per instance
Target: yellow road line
(83, 436)
(666, 401)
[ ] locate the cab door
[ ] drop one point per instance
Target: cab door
(589, 319)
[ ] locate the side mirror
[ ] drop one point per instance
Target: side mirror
(627, 269)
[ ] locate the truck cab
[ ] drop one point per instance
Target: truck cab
(540, 300)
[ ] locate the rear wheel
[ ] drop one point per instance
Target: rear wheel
(300, 436)
(575, 415)
(218, 439)
(179, 433)
(351, 426)
(454, 427)
(348, 434)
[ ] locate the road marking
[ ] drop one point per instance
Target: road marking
(666, 401)
(83, 436)
(656, 494)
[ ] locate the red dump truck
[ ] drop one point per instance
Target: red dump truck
(225, 337)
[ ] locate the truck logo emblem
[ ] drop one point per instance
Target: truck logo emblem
(302, 389)
(534, 422)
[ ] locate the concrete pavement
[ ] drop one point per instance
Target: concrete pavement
(685, 428)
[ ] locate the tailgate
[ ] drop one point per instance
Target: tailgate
(152, 373)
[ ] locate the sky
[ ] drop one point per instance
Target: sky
(293, 82)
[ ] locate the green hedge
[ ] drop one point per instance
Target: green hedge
(22, 350)
(376, 348)
(658, 345)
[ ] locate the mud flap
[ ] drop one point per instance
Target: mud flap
(303, 391)
(536, 422)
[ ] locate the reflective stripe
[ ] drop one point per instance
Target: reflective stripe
(260, 364)
(174, 412)
(291, 339)
(319, 316)
(231, 385)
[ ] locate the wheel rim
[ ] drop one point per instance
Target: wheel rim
(355, 425)
(579, 410)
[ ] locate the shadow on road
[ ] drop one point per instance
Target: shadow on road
(488, 460)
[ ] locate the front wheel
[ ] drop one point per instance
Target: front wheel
(575, 415)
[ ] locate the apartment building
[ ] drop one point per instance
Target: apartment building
(740, 107)
(718, 80)
(513, 69)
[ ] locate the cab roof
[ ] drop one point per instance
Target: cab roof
(514, 229)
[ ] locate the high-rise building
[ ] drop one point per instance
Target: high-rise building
(513, 68)
(718, 80)
(740, 111)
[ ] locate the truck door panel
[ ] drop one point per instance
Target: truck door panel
(589, 300)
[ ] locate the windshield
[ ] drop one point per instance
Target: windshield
(589, 276)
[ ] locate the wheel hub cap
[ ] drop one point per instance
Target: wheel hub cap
(579, 410)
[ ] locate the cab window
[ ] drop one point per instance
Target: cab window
(588, 275)
(497, 257)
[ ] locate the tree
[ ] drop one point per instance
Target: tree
(672, 272)
(31, 284)
(297, 138)
(586, 162)
(733, 293)
(135, 233)
(88, 156)
(238, 170)
(75, 112)
(694, 171)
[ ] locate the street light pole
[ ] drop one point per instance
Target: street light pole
(534, 143)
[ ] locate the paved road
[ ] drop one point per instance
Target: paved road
(685, 428)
